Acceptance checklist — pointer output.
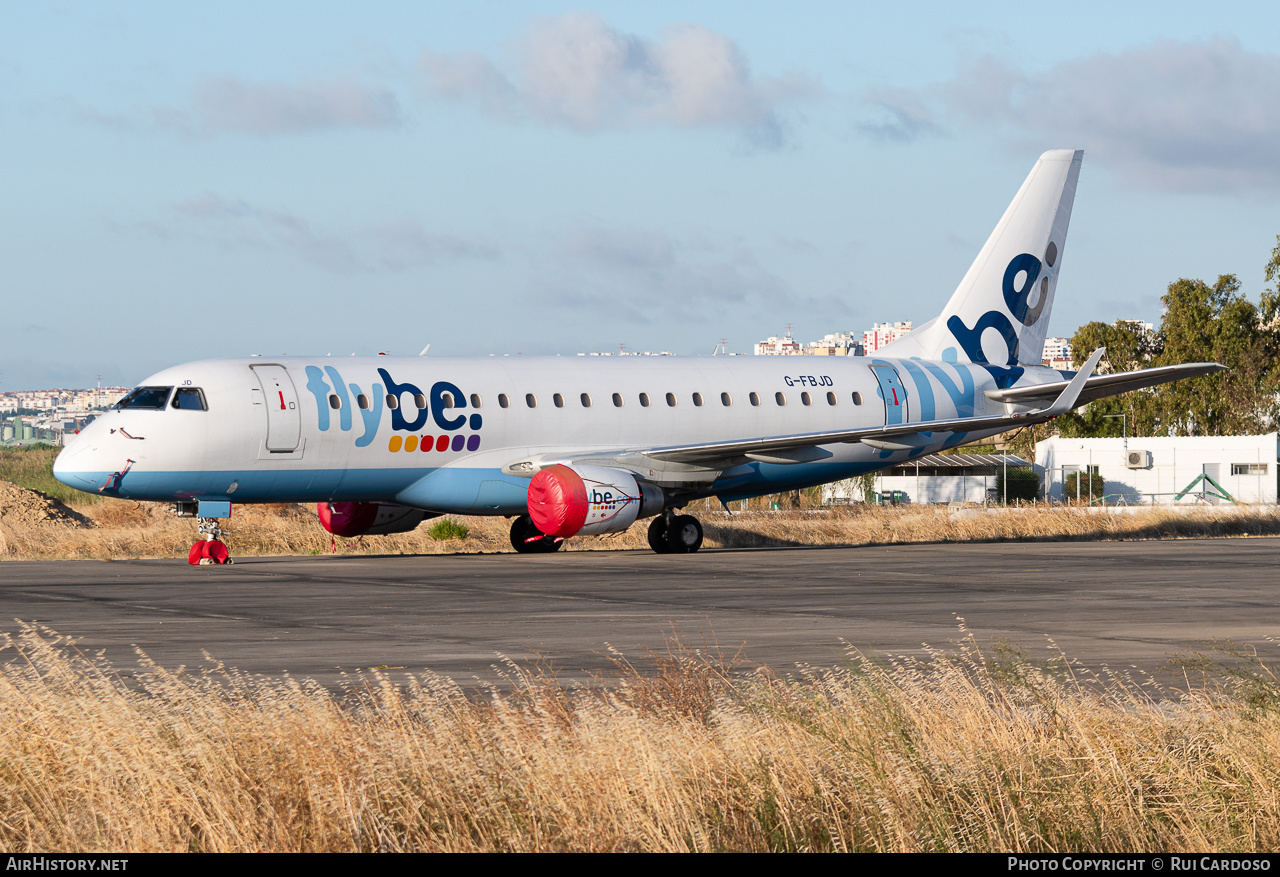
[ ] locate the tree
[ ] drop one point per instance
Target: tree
(1216, 323)
(1201, 323)
(1129, 346)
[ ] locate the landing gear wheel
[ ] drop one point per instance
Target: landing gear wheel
(684, 534)
(658, 535)
(528, 539)
(207, 552)
(210, 549)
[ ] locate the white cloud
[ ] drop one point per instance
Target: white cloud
(229, 104)
(651, 278)
(1180, 116)
(577, 72)
(394, 246)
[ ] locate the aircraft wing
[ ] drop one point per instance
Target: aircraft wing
(1102, 386)
(803, 447)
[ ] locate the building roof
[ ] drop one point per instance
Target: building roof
(962, 461)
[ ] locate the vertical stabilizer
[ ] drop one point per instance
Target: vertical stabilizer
(999, 314)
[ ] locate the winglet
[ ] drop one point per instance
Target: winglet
(1067, 399)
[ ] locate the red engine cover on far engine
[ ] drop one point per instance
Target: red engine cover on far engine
(347, 519)
(558, 501)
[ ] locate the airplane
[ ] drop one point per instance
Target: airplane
(584, 446)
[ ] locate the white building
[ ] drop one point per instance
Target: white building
(1165, 470)
(881, 334)
(1057, 353)
(932, 478)
(775, 346)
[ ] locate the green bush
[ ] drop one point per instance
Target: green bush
(1023, 485)
(1091, 487)
(446, 529)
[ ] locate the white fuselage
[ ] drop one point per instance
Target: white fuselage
(448, 435)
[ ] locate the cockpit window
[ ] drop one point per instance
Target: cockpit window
(189, 399)
(152, 398)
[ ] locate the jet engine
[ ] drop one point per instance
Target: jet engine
(566, 501)
(368, 518)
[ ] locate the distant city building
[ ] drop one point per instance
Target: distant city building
(833, 344)
(56, 412)
(881, 334)
(1057, 353)
(775, 346)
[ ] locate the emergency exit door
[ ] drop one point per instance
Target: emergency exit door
(284, 420)
(893, 393)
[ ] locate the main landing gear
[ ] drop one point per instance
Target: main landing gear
(528, 539)
(675, 534)
(210, 549)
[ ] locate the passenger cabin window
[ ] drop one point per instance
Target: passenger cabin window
(446, 399)
(558, 400)
(393, 401)
(755, 398)
(363, 401)
(586, 400)
(189, 399)
(644, 400)
(671, 400)
(780, 398)
(475, 400)
(503, 402)
(806, 399)
(726, 400)
(697, 399)
(831, 398)
(336, 403)
(420, 401)
(149, 398)
(857, 398)
(617, 400)
(531, 400)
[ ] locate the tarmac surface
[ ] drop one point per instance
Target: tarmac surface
(1120, 605)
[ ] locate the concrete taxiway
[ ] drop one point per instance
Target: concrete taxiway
(1119, 604)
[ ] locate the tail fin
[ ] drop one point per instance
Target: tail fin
(999, 314)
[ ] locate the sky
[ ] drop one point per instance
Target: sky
(190, 181)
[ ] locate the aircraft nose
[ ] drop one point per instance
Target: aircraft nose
(72, 468)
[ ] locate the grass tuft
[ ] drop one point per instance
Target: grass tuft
(685, 750)
(447, 528)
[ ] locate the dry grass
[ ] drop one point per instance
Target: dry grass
(965, 752)
(124, 530)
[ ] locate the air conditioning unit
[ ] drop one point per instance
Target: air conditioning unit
(1137, 459)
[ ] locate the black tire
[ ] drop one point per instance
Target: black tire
(684, 535)
(523, 530)
(658, 535)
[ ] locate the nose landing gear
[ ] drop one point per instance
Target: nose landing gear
(210, 549)
(675, 534)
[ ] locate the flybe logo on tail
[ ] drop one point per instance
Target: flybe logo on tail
(334, 401)
(1018, 287)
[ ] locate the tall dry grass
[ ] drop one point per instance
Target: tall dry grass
(967, 751)
(125, 530)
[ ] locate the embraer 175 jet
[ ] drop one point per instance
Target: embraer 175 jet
(590, 445)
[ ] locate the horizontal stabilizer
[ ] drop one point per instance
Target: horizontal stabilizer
(1102, 386)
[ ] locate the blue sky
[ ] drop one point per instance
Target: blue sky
(184, 182)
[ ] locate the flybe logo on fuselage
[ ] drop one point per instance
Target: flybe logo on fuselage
(439, 406)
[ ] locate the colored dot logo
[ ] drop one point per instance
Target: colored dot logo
(427, 443)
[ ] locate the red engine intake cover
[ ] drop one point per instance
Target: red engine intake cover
(347, 519)
(558, 501)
